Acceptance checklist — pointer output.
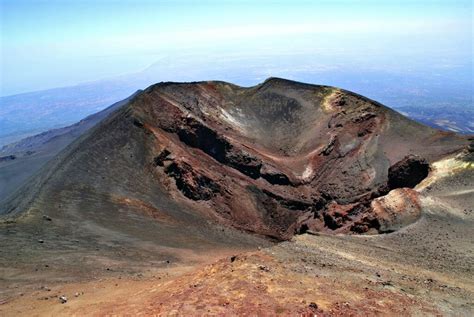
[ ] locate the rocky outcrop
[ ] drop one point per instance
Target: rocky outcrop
(273, 175)
(397, 209)
(162, 157)
(7, 158)
(191, 183)
(243, 161)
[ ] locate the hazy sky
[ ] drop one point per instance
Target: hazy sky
(46, 44)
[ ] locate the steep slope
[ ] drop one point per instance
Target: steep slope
(22, 159)
(42, 140)
(278, 158)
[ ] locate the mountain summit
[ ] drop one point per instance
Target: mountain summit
(275, 159)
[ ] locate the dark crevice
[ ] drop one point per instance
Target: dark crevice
(291, 204)
(302, 229)
(332, 222)
(137, 123)
(199, 136)
(163, 156)
(193, 185)
(243, 162)
(408, 172)
(274, 176)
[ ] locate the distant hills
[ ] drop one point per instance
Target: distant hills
(442, 101)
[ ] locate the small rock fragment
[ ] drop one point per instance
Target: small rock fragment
(264, 268)
(63, 299)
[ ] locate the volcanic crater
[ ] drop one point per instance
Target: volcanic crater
(276, 159)
(284, 157)
(187, 173)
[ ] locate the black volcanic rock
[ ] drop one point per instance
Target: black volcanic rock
(7, 158)
(408, 172)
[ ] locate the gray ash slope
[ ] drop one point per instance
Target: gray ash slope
(22, 159)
